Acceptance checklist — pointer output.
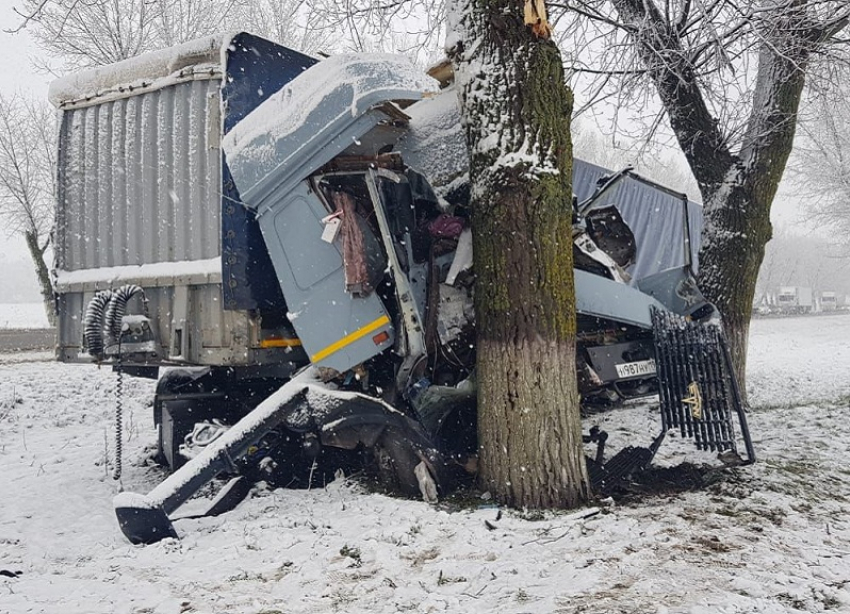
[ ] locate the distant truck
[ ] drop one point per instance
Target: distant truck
(794, 300)
(828, 301)
(267, 227)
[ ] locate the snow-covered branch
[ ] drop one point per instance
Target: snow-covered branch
(620, 49)
(80, 34)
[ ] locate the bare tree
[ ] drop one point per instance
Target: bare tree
(797, 258)
(79, 34)
(659, 164)
(821, 162)
(27, 180)
(83, 34)
(293, 23)
(516, 113)
(729, 76)
(780, 264)
(176, 21)
(414, 28)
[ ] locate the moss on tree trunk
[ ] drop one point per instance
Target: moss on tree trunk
(516, 111)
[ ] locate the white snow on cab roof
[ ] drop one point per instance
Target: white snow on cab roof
(143, 68)
(354, 76)
(434, 143)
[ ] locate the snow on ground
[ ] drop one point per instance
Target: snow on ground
(23, 315)
(805, 358)
(774, 537)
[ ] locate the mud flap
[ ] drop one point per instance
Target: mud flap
(698, 391)
(142, 520)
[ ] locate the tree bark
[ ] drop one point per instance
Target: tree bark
(42, 272)
(516, 111)
(737, 212)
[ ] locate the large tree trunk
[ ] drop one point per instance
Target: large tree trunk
(737, 230)
(43, 275)
(737, 211)
(516, 111)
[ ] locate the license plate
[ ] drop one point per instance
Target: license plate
(633, 369)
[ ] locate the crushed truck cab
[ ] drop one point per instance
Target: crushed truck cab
(289, 241)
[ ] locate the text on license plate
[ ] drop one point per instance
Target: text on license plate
(640, 367)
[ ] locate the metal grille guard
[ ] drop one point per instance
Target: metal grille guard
(698, 391)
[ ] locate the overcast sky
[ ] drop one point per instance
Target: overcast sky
(17, 51)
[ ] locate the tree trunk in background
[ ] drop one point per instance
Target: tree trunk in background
(737, 210)
(43, 274)
(737, 187)
(516, 111)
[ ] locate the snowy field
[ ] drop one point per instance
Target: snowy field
(22, 315)
(774, 537)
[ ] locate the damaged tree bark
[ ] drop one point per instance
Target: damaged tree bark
(516, 112)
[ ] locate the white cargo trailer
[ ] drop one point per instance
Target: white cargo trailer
(143, 199)
(828, 301)
(794, 299)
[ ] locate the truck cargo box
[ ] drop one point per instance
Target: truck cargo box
(144, 197)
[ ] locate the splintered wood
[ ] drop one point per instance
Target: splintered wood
(535, 16)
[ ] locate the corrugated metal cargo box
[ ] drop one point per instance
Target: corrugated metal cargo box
(144, 197)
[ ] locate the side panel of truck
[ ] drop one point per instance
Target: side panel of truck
(139, 179)
(139, 202)
(146, 198)
(650, 212)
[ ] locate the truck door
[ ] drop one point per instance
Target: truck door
(337, 328)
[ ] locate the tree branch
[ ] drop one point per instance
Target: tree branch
(695, 128)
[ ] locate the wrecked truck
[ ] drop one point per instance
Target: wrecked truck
(284, 243)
